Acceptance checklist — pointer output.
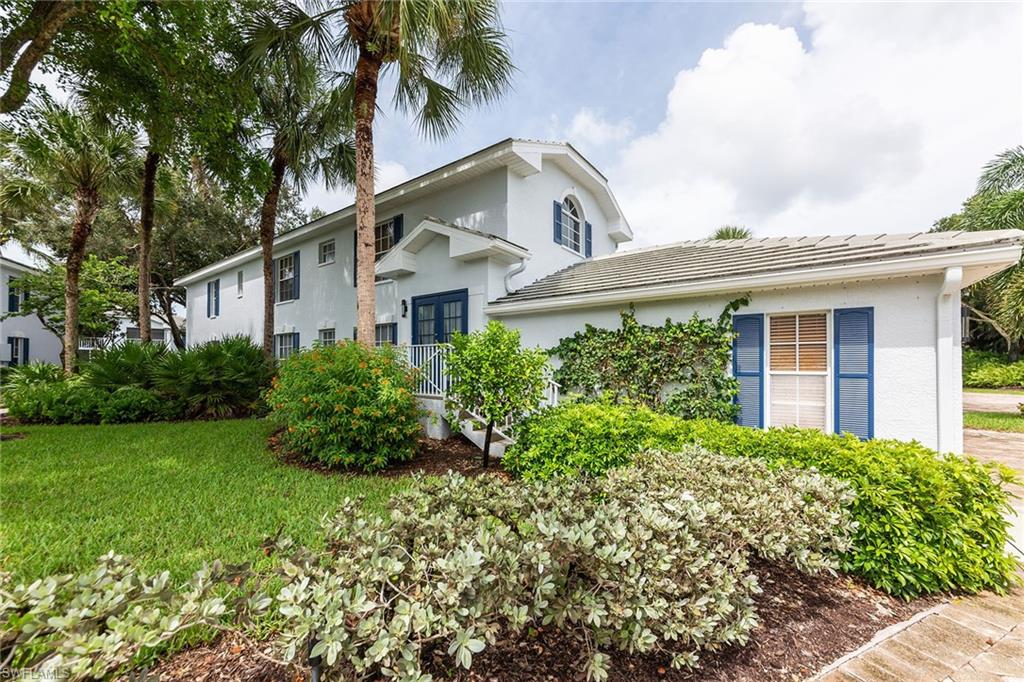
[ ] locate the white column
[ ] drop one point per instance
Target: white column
(949, 422)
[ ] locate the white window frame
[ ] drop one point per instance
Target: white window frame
(320, 335)
(569, 219)
(829, 364)
(322, 256)
(290, 259)
(378, 237)
(279, 345)
(240, 282)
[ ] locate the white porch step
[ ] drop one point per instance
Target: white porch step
(478, 437)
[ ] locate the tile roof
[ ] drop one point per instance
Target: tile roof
(710, 259)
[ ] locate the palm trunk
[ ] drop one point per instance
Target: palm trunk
(85, 213)
(268, 225)
(367, 72)
(146, 242)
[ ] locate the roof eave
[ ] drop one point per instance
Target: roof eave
(999, 257)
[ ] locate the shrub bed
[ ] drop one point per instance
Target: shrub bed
(131, 382)
(460, 563)
(347, 405)
(927, 522)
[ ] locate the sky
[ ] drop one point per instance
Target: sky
(786, 118)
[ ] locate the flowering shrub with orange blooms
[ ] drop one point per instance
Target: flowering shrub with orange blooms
(347, 406)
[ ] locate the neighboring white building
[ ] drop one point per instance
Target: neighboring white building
(856, 333)
(25, 339)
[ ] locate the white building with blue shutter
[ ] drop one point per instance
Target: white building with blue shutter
(856, 333)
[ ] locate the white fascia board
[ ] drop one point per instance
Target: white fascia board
(999, 257)
(462, 245)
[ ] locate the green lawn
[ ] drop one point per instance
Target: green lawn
(1013, 391)
(994, 421)
(168, 495)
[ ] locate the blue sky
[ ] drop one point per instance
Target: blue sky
(789, 118)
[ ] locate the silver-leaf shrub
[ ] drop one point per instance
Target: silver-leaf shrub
(652, 558)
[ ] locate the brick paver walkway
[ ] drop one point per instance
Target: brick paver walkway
(973, 639)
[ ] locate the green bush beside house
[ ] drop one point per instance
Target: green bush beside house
(927, 522)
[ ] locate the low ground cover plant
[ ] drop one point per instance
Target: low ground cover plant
(131, 382)
(652, 558)
(927, 522)
(984, 369)
(347, 405)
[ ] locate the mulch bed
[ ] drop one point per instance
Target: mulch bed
(805, 624)
(433, 458)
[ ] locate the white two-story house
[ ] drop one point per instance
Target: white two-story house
(854, 333)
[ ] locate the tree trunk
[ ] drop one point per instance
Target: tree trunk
(38, 30)
(367, 72)
(146, 242)
(85, 213)
(167, 305)
(268, 225)
(487, 444)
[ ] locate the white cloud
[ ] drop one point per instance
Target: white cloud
(880, 123)
(590, 129)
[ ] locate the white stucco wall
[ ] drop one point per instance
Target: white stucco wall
(905, 401)
(43, 346)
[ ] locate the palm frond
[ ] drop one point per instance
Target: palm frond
(1004, 173)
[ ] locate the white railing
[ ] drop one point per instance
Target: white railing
(431, 359)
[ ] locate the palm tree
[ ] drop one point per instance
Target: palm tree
(732, 232)
(66, 154)
(445, 55)
(307, 125)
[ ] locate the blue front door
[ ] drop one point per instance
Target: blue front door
(437, 316)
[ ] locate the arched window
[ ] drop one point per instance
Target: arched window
(572, 225)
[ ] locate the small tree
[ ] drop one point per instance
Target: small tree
(494, 377)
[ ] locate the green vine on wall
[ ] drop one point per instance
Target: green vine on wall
(679, 367)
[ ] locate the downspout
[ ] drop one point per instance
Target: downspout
(948, 434)
(517, 270)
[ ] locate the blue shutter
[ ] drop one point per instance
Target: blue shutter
(295, 267)
(748, 368)
(558, 222)
(588, 236)
(12, 297)
(216, 297)
(398, 223)
(209, 299)
(355, 255)
(24, 353)
(295, 341)
(854, 349)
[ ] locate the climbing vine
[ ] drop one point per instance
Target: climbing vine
(679, 367)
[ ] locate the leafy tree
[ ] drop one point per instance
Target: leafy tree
(493, 376)
(732, 232)
(172, 76)
(997, 301)
(305, 122)
(68, 156)
(444, 55)
(106, 293)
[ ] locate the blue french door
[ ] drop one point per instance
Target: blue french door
(437, 316)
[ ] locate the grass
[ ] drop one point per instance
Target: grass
(1011, 391)
(170, 496)
(994, 421)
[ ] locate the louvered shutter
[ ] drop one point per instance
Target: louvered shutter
(209, 299)
(295, 342)
(588, 236)
(295, 269)
(12, 297)
(398, 227)
(216, 297)
(748, 368)
(854, 371)
(558, 222)
(24, 354)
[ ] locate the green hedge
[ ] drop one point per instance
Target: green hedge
(927, 523)
(983, 369)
